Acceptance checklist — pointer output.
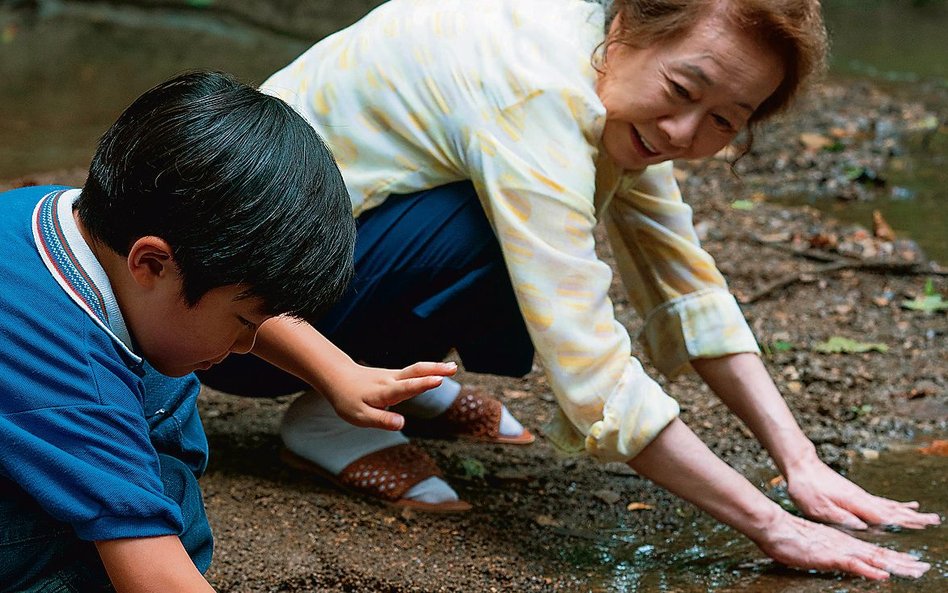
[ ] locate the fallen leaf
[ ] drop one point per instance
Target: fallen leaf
(922, 389)
(778, 237)
(929, 301)
(824, 241)
(814, 142)
(937, 447)
(881, 228)
(743, 204)
(638, 506)
(546, 521)
(841, 345)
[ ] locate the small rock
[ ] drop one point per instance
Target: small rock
(607, 496)
(870, 454)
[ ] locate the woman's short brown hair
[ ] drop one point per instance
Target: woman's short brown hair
(793, 29)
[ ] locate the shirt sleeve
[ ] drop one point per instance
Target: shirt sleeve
(533, 166)
(91, 465)
(672, 282)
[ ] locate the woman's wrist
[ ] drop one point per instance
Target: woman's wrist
(797, 458)
(763, 524)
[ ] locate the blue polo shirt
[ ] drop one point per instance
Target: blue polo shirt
(82, 416)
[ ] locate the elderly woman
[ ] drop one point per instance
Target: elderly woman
(481, 142)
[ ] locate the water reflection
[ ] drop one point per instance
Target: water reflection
(708, 557)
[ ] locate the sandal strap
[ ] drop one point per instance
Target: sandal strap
(473, 413)
(389, 473)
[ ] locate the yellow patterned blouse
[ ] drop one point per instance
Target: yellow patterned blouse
(421, 93)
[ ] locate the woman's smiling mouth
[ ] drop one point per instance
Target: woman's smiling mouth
(642, 145)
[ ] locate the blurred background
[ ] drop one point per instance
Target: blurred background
(68, 68)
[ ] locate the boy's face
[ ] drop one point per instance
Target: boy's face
(176, 339)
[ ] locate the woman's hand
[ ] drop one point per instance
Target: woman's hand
(803, 544)
(360, 395)
(679, 461)
(822, 494)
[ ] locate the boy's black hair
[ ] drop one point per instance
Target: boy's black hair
(238, 184)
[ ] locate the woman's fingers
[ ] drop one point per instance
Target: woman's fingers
(882, 511)
(804, 544)
(861, 568)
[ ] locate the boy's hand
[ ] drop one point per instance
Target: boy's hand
(822, 494)
(363, 394)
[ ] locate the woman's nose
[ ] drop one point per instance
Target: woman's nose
(680, 129)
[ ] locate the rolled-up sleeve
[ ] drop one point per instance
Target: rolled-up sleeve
(672, 282)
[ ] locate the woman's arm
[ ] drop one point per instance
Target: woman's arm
(744, 385)
(680, 462)
(359, 394)
(151, 565)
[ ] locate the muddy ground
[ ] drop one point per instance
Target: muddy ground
(278, 530)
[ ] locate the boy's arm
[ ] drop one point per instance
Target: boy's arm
(677, 460)
(359, 394)
(151, 565)
(743, 383)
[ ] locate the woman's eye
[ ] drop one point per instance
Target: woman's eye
(681, 91)
(248, 324)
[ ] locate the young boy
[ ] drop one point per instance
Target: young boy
(208, 209)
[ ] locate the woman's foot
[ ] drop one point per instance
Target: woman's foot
(455, 411)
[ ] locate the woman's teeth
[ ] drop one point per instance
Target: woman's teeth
(647, 146)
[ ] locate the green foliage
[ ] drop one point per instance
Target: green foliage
(775, 347)
(472, 469)
(841, 345)
(742, 205)
(929, 301)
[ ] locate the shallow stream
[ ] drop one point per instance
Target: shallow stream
(711, 558)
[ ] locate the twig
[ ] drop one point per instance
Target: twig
(867, 265)
(814, 254)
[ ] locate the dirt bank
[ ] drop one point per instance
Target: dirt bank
(279, 531)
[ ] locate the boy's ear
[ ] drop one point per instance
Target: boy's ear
(150, 259)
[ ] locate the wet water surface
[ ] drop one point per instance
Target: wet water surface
(711, 558)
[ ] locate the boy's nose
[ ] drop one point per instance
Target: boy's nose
(244, 343)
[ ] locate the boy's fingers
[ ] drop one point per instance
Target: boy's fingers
(383, 419)
(408, 388)
(420, 369)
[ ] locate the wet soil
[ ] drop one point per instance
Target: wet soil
(535, 509)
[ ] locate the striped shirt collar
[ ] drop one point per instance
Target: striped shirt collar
(74, 266)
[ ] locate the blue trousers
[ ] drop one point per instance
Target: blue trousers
(41, 555)
(429, 277)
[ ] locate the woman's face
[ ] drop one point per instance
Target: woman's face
(683, 98)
